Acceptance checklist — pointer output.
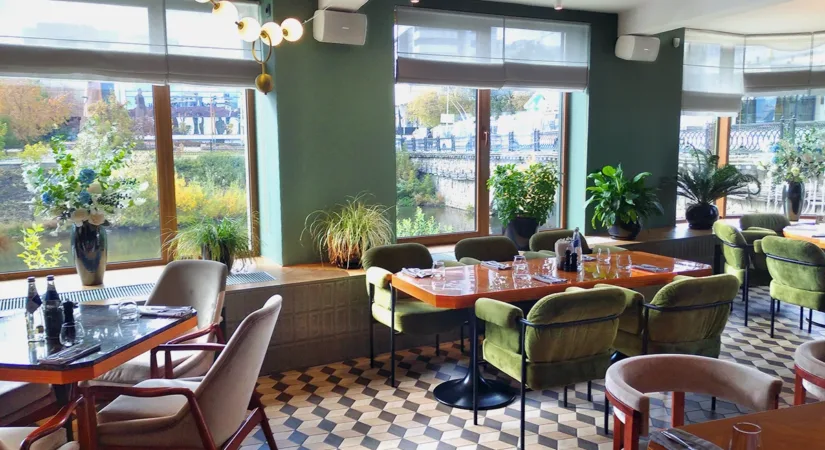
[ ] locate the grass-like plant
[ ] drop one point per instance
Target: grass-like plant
(345, 232)
(223, 240)
(706, 182)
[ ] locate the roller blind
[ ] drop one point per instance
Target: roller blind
(473, 50)
(712, 73)
(155, 41)
(778, 63)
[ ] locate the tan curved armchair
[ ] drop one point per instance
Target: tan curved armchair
(195, 283)
(809, 365)
(49, 436)
(629, 380)
(207, 413)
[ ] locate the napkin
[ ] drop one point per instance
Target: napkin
(650, 268)
(548, 279)
(495, 265)
(166, 311)
(70, 354)
(695, 442)
(417, 273)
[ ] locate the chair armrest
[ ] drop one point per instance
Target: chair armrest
(682, 277)
(214, 328)
(168, 370)
(498, 313)
(754, 234)
(379, 277)
(467, 261)
(628, 293)
(56, 423)
(453, 264)
(535, 255)
(757, 247)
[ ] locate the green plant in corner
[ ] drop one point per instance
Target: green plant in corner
(620, 202)
(529, 192)
(33, 256)
(224, 240)
(345, 232)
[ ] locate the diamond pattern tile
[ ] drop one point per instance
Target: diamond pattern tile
(348, 405)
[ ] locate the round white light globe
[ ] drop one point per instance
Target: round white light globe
(293, 30)
(249, 29)
(273, 32)
(202, 1)
(225, 10)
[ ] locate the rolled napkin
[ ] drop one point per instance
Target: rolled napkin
(673, 442)
(417, 273)
(548, 279)
(166, 311)
(495, 265)
(650, 268)
(70, 354)
(588, 258)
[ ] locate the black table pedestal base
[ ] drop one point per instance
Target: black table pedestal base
(492, 394)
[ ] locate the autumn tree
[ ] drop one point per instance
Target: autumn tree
(30, 112)
(506, 102)
(426, 109)
(107, 128)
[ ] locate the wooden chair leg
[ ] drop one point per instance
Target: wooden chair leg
(631, 432)
(270, 438)
(677, 419)
(618, 433)
(798, 391)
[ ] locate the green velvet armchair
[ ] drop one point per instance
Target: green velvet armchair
(761, 222)
(798, 272)
(545, 242)
(735, 254)
(399, 312)
(566, 338)
(473, 251)
(687, 316)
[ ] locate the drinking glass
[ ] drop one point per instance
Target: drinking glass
(746, 436)
(71, 334)
(127, 310)
(603, 256)
(549, 267)
(439, 274)
(520, 268)
(623, 262)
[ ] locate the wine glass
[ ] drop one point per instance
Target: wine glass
(624, 262)
(603, 256)
(746, 436)
(71, 334)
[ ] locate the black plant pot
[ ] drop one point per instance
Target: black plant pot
(520, 229)
(226, 257)
(624, 230)
(352, 264)
(701, 216)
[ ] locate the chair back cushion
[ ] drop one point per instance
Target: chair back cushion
(775, 222)
(798, 276)
(734, 257)
(195, 283)
(546, 240)
(395, 257)
(574, 341)
(695, 325)
(489, 248)
(227, 388)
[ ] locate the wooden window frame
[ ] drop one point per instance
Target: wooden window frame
(482, 169)
(164, 154)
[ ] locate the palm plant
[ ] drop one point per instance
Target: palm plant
(349, 230)
(223, 240)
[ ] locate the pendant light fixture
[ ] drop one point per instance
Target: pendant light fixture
(558, 6)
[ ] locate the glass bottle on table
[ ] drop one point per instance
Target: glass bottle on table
(35, 329)
(577, 245)
(52, 310)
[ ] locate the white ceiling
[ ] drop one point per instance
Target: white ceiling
(731, 16)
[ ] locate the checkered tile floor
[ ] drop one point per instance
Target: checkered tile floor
(349, 405)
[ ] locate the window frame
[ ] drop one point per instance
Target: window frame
(482, 169)
(164, 153)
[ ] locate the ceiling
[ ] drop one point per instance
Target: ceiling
(612, 6)
(793, 17)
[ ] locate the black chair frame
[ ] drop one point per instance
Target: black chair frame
(775, 309)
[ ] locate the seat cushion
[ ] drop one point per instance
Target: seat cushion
(416, 317)
(814, 390)
(631, 345)
(20, 399)
(125, 408)
(186, 364)
(12, 437)
(800, 297)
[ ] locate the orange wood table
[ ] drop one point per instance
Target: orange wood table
(795, 428)
(806, 233)
(464, 285)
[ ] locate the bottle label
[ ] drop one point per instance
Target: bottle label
(33, 303)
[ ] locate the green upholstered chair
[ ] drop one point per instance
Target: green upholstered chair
(489, 248)
(798, 272)
(566, 338)
(399, 312)
(773, 222)
(545, 242)
(735, 254)
(687, 316)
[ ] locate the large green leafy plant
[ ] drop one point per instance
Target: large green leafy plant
(617, 200)
(705, 182)
(528, 192)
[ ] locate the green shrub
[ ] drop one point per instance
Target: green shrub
(420, 225)
(220, 169)
(33, 256)
(411, 188)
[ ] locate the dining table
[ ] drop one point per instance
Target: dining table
(463, 285)
(794, 428)
(119, 340)
(808, 232)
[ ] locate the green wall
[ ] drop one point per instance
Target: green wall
(334, 133)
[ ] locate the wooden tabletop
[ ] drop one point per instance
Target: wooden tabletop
(796, 428)
(464, 285)
(120, 342)
(806, 232)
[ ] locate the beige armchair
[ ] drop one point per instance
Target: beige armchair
(49, 436)
(629, 380)
(809, 365)
(25, 403)
(200, 284)
(207, 413)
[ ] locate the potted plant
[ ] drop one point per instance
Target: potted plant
(621, 205)
(705, 182)
(87, 196)
(523, 198)
(345, 232)
(794, 162)
(225, 240)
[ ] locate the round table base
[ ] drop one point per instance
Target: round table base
(492, 394)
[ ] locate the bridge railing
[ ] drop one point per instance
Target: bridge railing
(534, 141)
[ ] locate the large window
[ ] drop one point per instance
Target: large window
(697, 133)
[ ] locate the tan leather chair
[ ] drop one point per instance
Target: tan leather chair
(628, 381)
(49, 436)
(25, 403)
(195, 283)
(809, 365)
(205, 413)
